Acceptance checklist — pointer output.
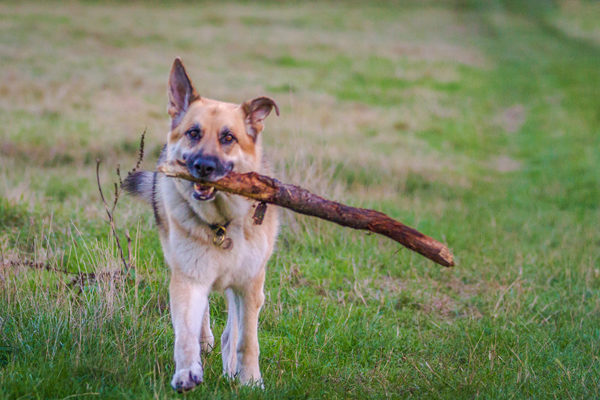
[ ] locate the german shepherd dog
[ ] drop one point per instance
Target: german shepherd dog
(208, 237)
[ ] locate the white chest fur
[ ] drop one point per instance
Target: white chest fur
(189, 243)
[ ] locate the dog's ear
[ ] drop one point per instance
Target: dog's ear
(181, 92)
(256, 111)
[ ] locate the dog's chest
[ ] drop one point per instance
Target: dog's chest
(217, 267)
(189, 243)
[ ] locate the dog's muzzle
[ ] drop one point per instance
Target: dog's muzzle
(208, 168)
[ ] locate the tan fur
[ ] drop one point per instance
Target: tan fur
(197, 265)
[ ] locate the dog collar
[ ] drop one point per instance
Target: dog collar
(220, 238)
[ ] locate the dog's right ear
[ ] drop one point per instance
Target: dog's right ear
(181, 92)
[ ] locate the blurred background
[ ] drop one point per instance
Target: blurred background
(476, 122)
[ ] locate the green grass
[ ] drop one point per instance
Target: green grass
(476, 122)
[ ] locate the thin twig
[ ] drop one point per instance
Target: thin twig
(78, 277)
(110, 214)
(129, 247)
(82, 278)
(140, 158)
(34, 265)
(119, 175)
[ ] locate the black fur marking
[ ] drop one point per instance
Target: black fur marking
(154, 205)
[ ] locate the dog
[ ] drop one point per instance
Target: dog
(209, 239)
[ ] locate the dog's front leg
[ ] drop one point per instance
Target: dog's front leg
(250, 301)
(189, 302)
(229, 339)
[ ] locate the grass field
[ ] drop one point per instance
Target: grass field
(477, 123)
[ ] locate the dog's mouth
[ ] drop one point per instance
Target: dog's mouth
(204, 192)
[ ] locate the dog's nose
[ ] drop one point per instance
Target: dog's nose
(204, 166)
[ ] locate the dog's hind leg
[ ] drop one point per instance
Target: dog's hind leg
(229, 339)
(189, 302)
(207, 339)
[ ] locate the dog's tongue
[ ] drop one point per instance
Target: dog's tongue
(203, 192)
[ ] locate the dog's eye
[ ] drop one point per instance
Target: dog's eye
(193, 133)
(227, 138)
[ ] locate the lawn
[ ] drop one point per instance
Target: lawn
(478, 123)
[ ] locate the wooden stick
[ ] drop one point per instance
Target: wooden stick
(269, 190)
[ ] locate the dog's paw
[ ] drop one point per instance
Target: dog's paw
(250, 377)
(187, 378)
(207, 343)
(253, 382)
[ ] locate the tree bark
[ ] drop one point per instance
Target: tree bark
(270, 190)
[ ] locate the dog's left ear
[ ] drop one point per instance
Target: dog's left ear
(256, 111)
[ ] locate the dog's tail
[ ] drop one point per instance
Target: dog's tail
(141, 184)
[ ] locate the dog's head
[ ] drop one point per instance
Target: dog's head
(212, 137)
